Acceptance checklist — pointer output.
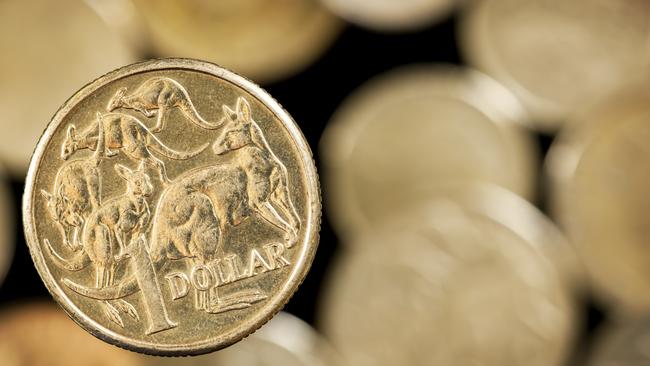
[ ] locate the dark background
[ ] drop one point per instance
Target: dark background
(311, 97)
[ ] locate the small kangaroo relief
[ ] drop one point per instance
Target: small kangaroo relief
(106, 234)
(127, 134)
(157, 96)
(267, 180)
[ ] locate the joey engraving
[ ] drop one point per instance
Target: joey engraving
(157, 96)
(105, 233)
(129, 239)
(129, 135)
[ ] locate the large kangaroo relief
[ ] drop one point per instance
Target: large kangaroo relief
(164, 249)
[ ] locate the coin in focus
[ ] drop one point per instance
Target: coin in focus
(599, 174)
(44, 60)
(264, 40)
(388, 15)
(455, 288)
(172, 207)
(626, 343)
(407, 134)
(285, 340)
(39, 334)
(558, 55)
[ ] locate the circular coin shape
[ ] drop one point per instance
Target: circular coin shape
(599, 174)
(625, 343)
(557, 55)
(455, 288)
(389, 15)
(39, 334)
(410, 132)
(47, 60)
(285, 340)
(172, 207)
(264, 40)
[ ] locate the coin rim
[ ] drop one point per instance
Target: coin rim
(278, 300)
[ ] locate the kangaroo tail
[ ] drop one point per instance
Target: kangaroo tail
(128, 287)
(76, 263)
(190, 111)
(159, 147)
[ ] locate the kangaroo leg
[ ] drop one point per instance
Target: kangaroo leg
(268, 213)
(160, 167)
(160, 119)
(281, 198)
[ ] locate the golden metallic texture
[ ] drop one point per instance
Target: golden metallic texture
(265, 40)
(599, 174)
(48, 48)
(405, 135)
(623, 343)
(558, 55)
(391, 15)
(172, 207)
(447, 286)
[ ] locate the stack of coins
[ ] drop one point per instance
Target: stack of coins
(484, 167)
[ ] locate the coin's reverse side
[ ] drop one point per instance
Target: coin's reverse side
(172, 207)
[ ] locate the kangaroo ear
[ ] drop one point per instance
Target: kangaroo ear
(244, 110)
(99, 116)
(47, 195)
(229, 113)
(71, 131)
(141, 167)
(123, 171)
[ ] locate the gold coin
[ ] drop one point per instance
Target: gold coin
(625, 343)
(39, 334)
(599, 174)
(285, 340)
(49, 48)
(264, 40)
(454, 287)
(389, 15)
(172, 207)
(557, 55)
(406, 134)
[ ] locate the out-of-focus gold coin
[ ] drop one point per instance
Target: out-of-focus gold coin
(455, 288)
(263, 40)
(410, 132)
(285, 340)
(625, 343)
(599, 174)
(172, 207)
(49, 48)
(390, 15)
(39, 334)
(557, 55)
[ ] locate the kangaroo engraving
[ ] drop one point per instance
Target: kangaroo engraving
(129, 135)
(157, 96)
(267, 179)
(106, 231)
(76, 194)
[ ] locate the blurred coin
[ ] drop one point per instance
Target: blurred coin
(49, 48)
(600, 173)
(39, 334)
(285, 340)
(557, 55)
(390, 15)
(263, 40)
(623, 344)
(457, 288)
(123, 18)
(407, 133)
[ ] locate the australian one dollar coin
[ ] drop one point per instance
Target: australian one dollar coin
(172, 207)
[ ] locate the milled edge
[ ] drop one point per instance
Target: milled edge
(295, 278)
